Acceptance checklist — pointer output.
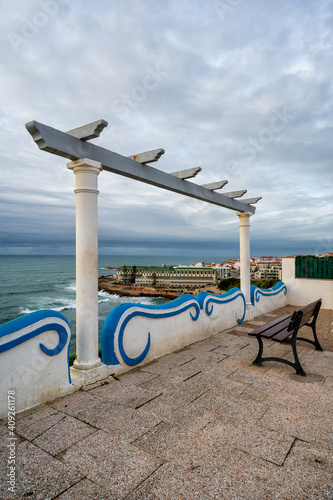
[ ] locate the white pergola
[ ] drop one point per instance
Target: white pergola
(87, 161)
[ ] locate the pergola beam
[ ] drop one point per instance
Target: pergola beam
(236, 194)
(148, 156)
(213, 186)
(252, 200)
(89, 131)
(65, 145)
(187, 174)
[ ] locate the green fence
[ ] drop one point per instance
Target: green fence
(309, 266)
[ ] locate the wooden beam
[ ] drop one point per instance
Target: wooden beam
(62, 144)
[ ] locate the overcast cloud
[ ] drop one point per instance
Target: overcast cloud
(242, 88)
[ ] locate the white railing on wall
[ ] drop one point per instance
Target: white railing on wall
(34, 359)
(135, 334)
(34, 349)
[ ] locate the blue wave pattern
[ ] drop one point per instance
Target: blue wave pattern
(207, 300)
(118, 318)
(256, 292)
(29, 320)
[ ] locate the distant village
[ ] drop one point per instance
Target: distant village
(199, 274)
(171, 281)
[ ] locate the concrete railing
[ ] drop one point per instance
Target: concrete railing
(34, 360)
(302, 291)
(270, 299)
(134, 334)
(34, 349)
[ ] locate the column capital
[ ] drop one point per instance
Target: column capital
(85, 165)
(244, 218)
(243, 214)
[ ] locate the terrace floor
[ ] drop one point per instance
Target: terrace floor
(200, 423)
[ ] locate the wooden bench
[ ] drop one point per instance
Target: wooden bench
(285, 329)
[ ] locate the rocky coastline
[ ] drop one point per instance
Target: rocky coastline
(105, 285)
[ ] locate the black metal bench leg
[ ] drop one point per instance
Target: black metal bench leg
(297, 365)
(257, 361)
(316, 341)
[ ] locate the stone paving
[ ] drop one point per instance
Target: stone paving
(200, 423)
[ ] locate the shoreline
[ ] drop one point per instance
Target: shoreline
(136, 291)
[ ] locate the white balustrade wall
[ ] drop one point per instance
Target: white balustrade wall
(34, 364)
(34, 349)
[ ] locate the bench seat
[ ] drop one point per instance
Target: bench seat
(285, 329)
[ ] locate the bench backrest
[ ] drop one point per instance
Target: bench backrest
(304, 314)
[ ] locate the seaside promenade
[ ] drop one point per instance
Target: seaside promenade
(199, 423)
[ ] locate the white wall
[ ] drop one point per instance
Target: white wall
(302, 291)
(34, 348)
(265, 301)
(34, 362)
(134, 334)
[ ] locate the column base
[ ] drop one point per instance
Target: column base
(89, 376)
(87, 365)
(250, 310)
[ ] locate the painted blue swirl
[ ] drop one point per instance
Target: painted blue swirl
(29, 320)
(256, 292)
(119, 319)
(207, 300)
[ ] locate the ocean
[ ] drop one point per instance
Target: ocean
(32, 283)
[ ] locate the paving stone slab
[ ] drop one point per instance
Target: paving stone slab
(295, 422)
(207, 344)
(114, 465)
(86, 490)
(230, 344)
(244, 329)
(124, 422)
(3, 429)
(212, 482)
(264, 390)
(135, 377)
(177, 413)
(207, 359)
(248, 373)
(128, 395)
(185, 445)
(39, 476)
(33, 415)
(106, 381)
(231, 408)
(304, 392)
(75, 403)
(185, 391)
(311, 469)
(162, 366)
(35, 428)
(62, 435)
(272, 446)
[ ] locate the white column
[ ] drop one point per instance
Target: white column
(86, 173)
(244, 243)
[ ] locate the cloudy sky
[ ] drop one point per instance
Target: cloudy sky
(242, 88)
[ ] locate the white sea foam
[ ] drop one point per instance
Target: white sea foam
(56, 305)
(67, 304)
(71, 287)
